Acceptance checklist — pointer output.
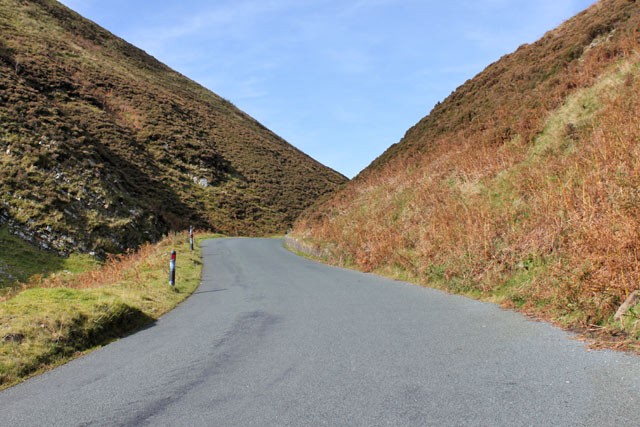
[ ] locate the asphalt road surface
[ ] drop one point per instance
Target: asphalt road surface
(272, 339)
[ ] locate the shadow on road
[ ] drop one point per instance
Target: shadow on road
(208, 292)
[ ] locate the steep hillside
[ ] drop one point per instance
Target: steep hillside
(102, 147)
(521, 187)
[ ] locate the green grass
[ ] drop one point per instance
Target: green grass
(20, 261)
(577, 112)
(43, 327)
(138, 138)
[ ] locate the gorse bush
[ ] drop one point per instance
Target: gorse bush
(522, 186)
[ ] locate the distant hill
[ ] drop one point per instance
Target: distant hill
(103, 147)
(522, 187)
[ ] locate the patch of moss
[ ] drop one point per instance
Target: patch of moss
(20, 261)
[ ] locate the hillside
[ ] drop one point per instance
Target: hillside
(521, 187)
(102, 147)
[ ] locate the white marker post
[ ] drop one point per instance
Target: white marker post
(191, 236)
(172, 269)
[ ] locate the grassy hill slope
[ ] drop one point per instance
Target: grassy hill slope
(102, 147)
(521, 187)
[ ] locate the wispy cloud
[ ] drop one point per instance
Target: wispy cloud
(230, 19)
(350, 60)
(498, 23)
(357, 7)
(341, 79)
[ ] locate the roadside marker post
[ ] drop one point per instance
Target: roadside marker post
(191, 237)
(172, 269)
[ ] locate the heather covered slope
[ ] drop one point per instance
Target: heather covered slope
(102, 147)
(521, 187)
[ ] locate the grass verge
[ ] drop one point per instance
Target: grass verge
(22, 262)
(513, 291)
(51, 321)
(545, 224)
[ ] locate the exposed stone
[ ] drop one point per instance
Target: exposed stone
(6, 274)
(305, 248)
(17, 338)
(632, 300)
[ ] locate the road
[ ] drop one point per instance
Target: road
(272, 339)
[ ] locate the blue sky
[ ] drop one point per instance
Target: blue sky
(341, 80)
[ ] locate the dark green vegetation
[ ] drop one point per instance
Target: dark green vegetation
(103, 148)
(521, 187)
(55, 319)
(20, 261)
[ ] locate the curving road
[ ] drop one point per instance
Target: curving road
(272, 339)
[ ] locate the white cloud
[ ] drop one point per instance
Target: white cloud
(350, 60)
(230, 19)
(357, 7)
(502, 23)
(342, 79)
